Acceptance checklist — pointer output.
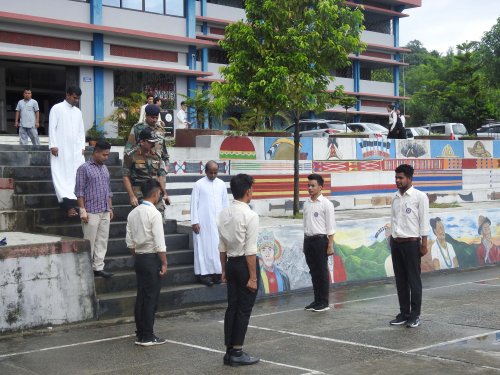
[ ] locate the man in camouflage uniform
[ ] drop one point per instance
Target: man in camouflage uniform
(153, 122)
(142, 163)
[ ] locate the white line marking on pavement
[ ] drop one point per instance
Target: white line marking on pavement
(328, 339)
(65, 346)
(372, 298)
(308, 370)
(444, 343)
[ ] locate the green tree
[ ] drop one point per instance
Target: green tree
(281, 56)
(490, 50)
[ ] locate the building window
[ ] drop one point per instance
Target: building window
(132, 4)
(160, 85)
(229, 3)
(154, 6)
(174, 7)
(169, 7)
(111, 3)
(377, 23)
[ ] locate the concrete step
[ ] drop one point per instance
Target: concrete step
(22, 158)
(45, 186)
(49, 200)
(174, 241)
(73, 228)
(18, 147)
(55, 215)
(125, 280)
(43, 172)
(115, 305)
(126, 262)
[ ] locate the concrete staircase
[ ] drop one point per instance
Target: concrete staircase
(34, 194)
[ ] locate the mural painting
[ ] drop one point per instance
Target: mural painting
(419, 148)
(195, 167)
(478, 149)
(438, 180)
(447, 149)
(496, 149)
(461, 239)
(334, 148)
(369, 148)
(282, 148)
(281, 186)
(271, 167)
(237, 148)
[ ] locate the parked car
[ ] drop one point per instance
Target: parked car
(319, 128)
(369, 128)
(454, 130)
(490, 130)
(414, 132)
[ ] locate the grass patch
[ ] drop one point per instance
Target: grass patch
(444, 205)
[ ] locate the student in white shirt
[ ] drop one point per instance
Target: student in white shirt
(238, 230)
(146, 240)
(410, 227)
(142, 113)
(319, 230)
(182, 117)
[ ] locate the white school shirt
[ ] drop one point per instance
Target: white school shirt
(410, 214)
(238, 230)
(145, 230)
(319, 217)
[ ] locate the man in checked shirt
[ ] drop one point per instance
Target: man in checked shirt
(93, 192)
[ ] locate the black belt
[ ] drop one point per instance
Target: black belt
(236, 258)
(406, 239)
(147, 254)
(314, 236)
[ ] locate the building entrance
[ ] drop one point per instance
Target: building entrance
(47, 83)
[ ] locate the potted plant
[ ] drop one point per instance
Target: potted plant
(93, 135)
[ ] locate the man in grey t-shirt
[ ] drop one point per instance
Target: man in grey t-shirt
(27, 109)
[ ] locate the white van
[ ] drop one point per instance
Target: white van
(454, 130)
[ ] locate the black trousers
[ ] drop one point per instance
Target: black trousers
(317, 261)
(406, 262)
(147, 271)
(240, 301)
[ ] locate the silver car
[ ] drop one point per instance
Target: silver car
(490, 130)
(454, 130)
(415, 132)
(368, 128)
(319, 128)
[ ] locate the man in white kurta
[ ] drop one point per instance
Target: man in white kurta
(208, 199)
(66, 143)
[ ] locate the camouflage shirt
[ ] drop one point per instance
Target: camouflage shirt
(141, 167)
(160, 134)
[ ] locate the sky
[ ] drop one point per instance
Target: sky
(441, 24)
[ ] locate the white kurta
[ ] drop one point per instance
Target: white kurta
(67, 133)
(208, 199)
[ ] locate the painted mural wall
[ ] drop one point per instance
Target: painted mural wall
(360, 172)
(458, 239)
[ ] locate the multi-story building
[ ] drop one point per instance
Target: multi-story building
(165, 47)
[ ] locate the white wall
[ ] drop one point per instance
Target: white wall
(375, 87)
(377, 38)
(225, 12)
(109, 95)
(348, 84)
(44, 290)
(66, 10)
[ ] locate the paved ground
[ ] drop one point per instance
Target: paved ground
(460, 334)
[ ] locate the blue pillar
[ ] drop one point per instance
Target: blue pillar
(191, 33)
(98, 53)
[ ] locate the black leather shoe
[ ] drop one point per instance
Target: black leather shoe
(206, 280)
(226, 359)
(103, 273)
(216, 279)
(243, 360)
